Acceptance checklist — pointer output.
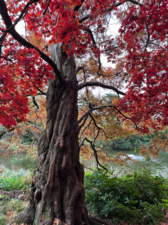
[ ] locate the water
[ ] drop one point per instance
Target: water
(157, 166)
(17, 162)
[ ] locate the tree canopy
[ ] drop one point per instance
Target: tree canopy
(84, 25)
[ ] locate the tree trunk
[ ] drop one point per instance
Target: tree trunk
(57, 195)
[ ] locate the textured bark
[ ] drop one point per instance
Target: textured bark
(57, 195)
(58, 191)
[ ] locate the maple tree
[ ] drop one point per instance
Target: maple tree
(78, 29)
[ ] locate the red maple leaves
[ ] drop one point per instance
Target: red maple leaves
(143, 40)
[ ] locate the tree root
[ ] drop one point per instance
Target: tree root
(22, 195)
(90, 220)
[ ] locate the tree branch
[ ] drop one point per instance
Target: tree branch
(85, 17)
(2, 133)
(97, 128)
(95, 155)
(19, 18)
(35, 134)
(79, 69)
(47, 7)
(23, 42)
(77, 7)
(43, 93)
(83, 123)
(94, 43)
(36, 126)
(98, 84)
(135, 2)
(106, 106)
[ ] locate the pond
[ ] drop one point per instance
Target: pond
(17, 162)
(157, 166)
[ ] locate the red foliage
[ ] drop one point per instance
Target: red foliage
(144, 30)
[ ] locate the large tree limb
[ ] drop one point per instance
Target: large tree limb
(98, 84)
(23, 42)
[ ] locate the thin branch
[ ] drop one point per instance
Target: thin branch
(135, 2)
(35, 134)
(34, 102)
(83, 123)
(19, 18)
(79, 69)
(86, 127)
(9, 60)
(95, 155)
(98, 84)
(2, 133)
(77, 7)
(107, 106)
(147, 41)
(86, 114)
(97, 128)
(36, 126)
(83, 18)
(43, 93)
(94, 43)
(87, 16)
(47, 7)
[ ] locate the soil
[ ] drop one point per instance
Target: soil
(165, 222)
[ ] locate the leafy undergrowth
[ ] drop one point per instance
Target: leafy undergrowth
(12, 180)
(133, 199)
(9, 208)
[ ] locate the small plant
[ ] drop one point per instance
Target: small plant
(3, 221)
(9, 208)
(12, 180)
(137, 198)
(16, 204)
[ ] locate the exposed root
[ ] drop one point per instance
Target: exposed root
(98, 221)
(16, 194)
(89, 220)
(26, 216)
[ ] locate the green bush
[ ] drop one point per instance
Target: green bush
(136, 198)
(11, 180)
(3, 221)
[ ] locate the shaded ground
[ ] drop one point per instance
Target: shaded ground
(165, 222)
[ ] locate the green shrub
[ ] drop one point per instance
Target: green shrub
(136, 198)
(11, 180)
(3, 221)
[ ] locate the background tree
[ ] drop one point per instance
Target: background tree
(77, 29)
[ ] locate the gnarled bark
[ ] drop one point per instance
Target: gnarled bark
(57, 195)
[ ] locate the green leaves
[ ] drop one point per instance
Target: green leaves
(137, 198)
(12, 182)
